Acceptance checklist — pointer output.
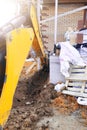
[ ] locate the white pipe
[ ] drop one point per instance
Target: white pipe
(55, 21)
(64, 14)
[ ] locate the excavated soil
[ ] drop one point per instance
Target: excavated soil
(37, 106)
(32, 100)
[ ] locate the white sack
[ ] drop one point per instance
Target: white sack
(83, 53)
(68, 55)
(59, 87)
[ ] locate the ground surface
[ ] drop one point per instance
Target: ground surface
(38, 107)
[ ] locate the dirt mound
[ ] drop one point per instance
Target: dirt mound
(37, 81)
(31, 102)
(35, 98)
(66, 104)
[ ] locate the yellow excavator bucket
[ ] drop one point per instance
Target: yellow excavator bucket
(18, 44)
(39, 48)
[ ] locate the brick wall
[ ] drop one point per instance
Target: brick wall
(47, 29)
(63, 23)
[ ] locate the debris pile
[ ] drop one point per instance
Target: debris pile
(66, 104)
(31, 102)
(35, 98)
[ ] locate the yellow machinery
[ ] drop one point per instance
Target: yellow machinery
(18, 44)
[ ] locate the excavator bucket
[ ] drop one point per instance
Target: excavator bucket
(15, 45)
(18, 45)
(37, 43)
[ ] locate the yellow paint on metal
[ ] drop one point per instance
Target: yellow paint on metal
(18, 45)
(39, 48)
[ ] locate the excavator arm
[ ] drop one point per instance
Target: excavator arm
(18, 44)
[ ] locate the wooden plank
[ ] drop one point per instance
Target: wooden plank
(83, 87)
(74, 89)
(78, 81)
(30, 67)
(78, 67)
(78, 70)
(86, 70)
(67, 82)
(77, 75)
(75, 84)
(74, 93)
(77, 78)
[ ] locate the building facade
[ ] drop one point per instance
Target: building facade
(75, 20)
